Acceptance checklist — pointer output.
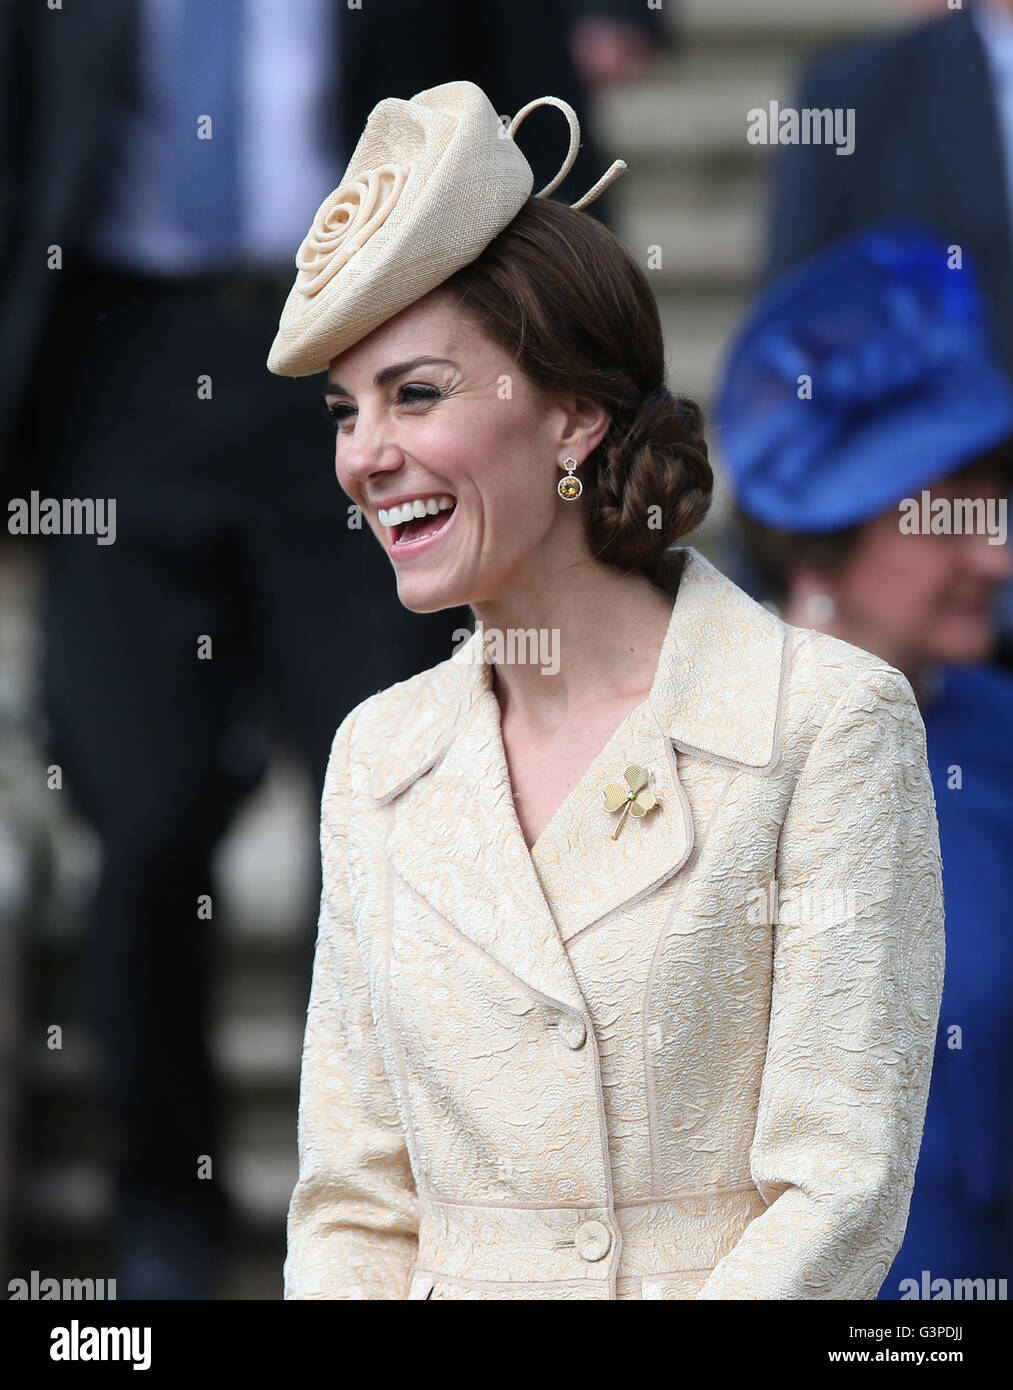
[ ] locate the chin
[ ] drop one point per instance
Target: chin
(420, 597)
(971, 644)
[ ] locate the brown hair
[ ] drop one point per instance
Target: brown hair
(777, 554)
(557, 290)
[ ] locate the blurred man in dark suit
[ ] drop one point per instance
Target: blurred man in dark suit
(143, 275)
(933, 129)
(933, 139)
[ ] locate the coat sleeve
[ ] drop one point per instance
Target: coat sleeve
(353, 1217)
(858, 957)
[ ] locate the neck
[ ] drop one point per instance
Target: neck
(600, 634)
(917, 668)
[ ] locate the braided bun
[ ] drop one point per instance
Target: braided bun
(562, 294)
(651, 483)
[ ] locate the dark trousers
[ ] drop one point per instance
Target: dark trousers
(230, 526)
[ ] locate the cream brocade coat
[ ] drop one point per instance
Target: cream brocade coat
(596, 1070)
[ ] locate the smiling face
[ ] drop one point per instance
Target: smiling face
(430, 412)
(924, 597)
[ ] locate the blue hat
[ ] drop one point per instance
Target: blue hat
(859, 378)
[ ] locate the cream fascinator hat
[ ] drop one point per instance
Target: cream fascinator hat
(431, 182)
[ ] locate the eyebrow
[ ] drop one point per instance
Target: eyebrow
(388, 374)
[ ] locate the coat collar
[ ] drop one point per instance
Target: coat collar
(722, 652)
(457, 840)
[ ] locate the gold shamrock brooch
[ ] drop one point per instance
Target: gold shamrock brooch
(631, 797)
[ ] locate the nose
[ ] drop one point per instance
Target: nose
(366, 449)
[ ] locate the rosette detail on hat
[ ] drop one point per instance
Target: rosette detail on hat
(430, 183)
(345, 221)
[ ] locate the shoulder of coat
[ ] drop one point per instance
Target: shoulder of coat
(821, 669)
(390, 731)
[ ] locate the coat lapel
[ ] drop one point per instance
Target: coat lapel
(457, 840)
(715, 692)
(584, 872)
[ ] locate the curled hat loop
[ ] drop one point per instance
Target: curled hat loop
(430, 182)
(617, 167)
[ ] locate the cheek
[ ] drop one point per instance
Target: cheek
(896, 578)
(916, 593)
(517, 508)
(930, 574)
(514, 490)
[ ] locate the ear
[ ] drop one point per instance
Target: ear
(805, 582)
(584, 425)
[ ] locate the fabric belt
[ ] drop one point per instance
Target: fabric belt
(678, 1234)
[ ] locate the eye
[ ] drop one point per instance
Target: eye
(411, 393)
(419, 393)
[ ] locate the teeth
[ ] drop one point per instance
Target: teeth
(396, 516)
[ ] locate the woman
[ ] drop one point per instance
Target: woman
(909, 419)
(554, 1049)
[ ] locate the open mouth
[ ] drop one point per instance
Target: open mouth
(413, 530)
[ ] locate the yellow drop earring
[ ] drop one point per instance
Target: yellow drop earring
(570, 488)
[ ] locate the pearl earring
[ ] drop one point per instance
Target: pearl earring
(570, 488)
(821, 608)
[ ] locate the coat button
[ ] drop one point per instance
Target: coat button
(593, 1240)
(574, 1033)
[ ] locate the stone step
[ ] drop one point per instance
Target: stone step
(779, 21)
(696, 333)
(691, 116)
(699, 245)
(726, 58)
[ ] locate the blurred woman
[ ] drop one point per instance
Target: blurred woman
(869, 436)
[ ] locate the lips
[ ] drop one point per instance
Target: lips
(408, 507)
(420, 528)
(411, 537)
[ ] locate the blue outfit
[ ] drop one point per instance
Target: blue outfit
(961, 1219)
(866, 375)
(863, 376)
